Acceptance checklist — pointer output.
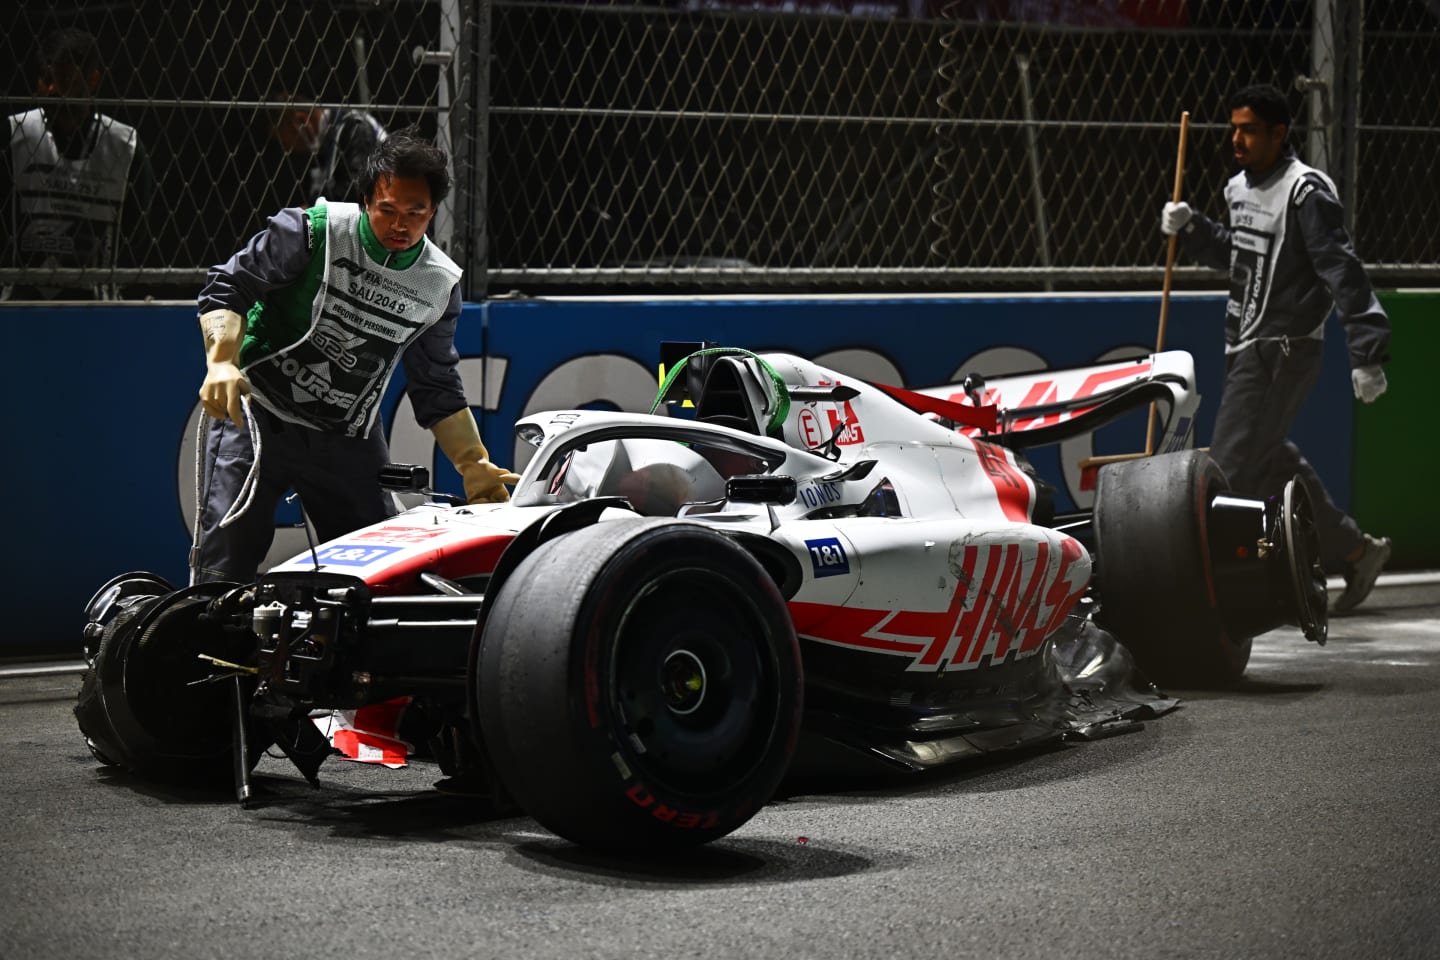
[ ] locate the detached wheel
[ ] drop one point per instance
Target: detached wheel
(113, 597)
(1157, 592)
(140, 706)
(639, 685)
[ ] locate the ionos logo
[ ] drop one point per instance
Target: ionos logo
(820, 494)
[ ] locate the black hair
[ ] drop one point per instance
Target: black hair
(69, 47)
(1266, 101)
(407, 154)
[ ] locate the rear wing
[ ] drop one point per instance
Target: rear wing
(1049, 406)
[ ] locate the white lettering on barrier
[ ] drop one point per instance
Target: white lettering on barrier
(610, 378)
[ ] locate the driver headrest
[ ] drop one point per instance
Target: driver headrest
(731, 396)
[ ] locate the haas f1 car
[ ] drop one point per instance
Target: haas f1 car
(673, 613)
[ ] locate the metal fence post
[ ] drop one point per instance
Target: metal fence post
(470, 113)
(1320, 86)
(477, 201)
(1349, 38)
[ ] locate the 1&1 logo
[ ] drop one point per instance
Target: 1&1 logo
(827, 556)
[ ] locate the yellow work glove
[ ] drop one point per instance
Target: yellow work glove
(224, 383)
(460, 439)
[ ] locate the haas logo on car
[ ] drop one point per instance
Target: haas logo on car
(846, 417)
(1009, 598)
(844, 425)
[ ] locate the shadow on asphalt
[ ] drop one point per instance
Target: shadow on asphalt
(363, 814)
(414, 812)
(723, 862)
(1248, 687)
(1024, 767)
(339, 810)
(167, 792)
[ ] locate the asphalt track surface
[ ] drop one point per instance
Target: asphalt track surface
(1294, 816)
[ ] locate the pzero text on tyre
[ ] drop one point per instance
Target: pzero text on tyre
(639, 685)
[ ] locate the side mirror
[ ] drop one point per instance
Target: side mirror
(413, 478)
(405, 477)
(761, 488)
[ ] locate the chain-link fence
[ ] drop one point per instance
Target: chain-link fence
(713, 144)
(234, 107)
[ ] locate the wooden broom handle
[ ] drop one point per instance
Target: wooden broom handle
(1169, 270)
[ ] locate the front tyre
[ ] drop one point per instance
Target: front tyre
(145, 704)
(639, 685)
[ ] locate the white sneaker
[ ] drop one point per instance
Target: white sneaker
(1360, 578)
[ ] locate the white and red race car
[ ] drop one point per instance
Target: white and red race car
(672, 613)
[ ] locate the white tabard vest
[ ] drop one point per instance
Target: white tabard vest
(363, 318)
(1259, 218)
(67, 212)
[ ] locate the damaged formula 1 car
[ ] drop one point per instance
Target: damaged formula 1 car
(634, 647)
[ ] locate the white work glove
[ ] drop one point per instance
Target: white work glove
(1369, 382)
(1174, 217)
(459, 437)
(224, 382)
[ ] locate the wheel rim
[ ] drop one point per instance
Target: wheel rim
(682, 677)
(115, 595)
(1302, 536)
(101, 605)
(694, 684)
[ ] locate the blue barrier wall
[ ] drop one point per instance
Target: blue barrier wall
(100, 404)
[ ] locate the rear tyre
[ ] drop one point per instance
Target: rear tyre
(1157, 593)
(639, 685)
(143, 705)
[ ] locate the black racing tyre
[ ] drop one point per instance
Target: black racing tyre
(90, 714)
(1157, 591)
(141, 706)
(639, 685)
